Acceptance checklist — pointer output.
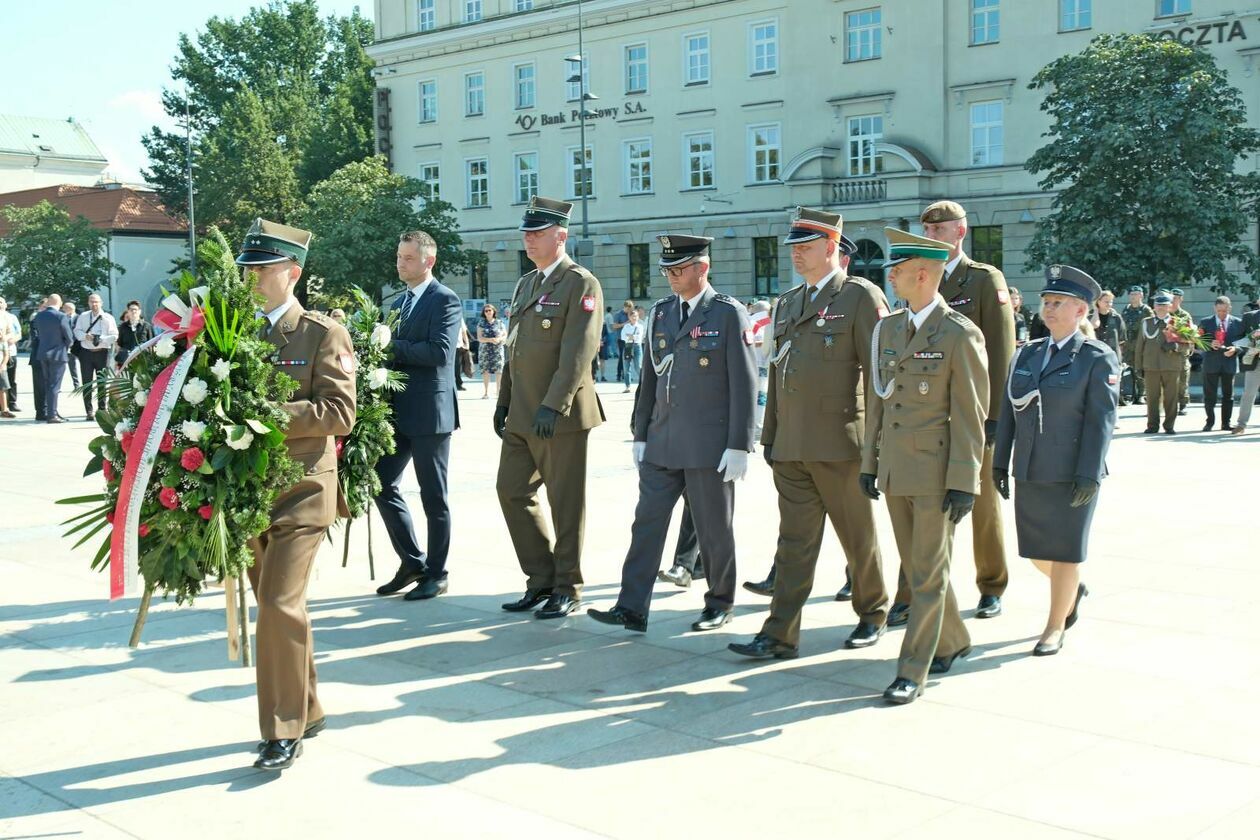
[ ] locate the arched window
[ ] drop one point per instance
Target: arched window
(868, 262)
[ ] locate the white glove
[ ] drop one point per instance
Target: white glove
(636, 452)
(734, 464)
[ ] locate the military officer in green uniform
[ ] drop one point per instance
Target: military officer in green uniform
(1161, 360)
(813, 431)
(1181, 316)
(546, 409)
(979, 292)
(316, 351)
(924, 444)
(1133, 314)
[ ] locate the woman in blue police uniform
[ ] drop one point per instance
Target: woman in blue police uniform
(1057, 415)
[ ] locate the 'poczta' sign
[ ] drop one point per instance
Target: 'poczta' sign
(1206, 33)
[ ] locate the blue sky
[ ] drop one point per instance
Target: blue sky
(105, 63)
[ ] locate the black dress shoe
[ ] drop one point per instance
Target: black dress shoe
(312, 729)
(1150, 431)
(558, 606)
(765, 647)
(279, 755)
(942, 664)
(712, 619)
(1170, 431)
(531, 599)
(1227, 427)
(628, 619)
(1081, 591)
(1049, 648)
(763, 587)
(846, 591)
(898, 615)
(1207, 427)
(404, 577)
(676, 575)
(91, 416)
(427, 588)
(990, 606)
(902, 691)
(864, 635)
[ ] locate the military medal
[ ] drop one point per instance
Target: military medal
(828, 340)
(661, 344)
(538, 307)
(694, 344)
(923, 387)
(704, 361)
(546, 323)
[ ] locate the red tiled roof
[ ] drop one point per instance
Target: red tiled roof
(115, 208)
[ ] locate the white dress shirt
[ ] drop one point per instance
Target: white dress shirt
(106, 327)
(917, 318)
(276, 314)
(820, 285)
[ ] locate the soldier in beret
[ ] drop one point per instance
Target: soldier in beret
(813, 432)
(979, 292)
(315, 351)
(1133, 314)
(924, 444)
(693, 430)
(1160, 359)
(1060, 443)
(546, 409)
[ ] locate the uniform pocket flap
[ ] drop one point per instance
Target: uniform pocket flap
(930, 441)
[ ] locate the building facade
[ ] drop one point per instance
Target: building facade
(716, 117)
(37, 152)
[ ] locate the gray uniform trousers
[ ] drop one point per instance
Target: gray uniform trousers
(712, 502)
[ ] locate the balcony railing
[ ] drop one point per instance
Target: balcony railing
(858, 192)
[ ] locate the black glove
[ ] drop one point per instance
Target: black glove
(1083, 491)
(500, 419)
(990, 432)
(545, 422)
(1002, 480)
(867, 482)
(958, 504)
(765, 453)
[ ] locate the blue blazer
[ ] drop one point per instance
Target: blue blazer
(424, 349)
(1215, 361)
(51, 329)
(1079, 391)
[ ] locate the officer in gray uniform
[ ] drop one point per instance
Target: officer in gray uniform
(693, 430)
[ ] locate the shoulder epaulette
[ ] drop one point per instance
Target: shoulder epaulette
(319, 318)
(959, 318)
(724, 298)
(985, 267)
(663, 301)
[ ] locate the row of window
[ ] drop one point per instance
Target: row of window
(765, 155)
(471, 11)
(985, 246)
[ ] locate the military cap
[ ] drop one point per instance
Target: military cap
(543, 213)
(903, 245)
(1066, 280)
(1137, 289)
(942, 211)
(271, 242)
(1176, 293)
(677, 249)
(1162, 297)
(808, 225)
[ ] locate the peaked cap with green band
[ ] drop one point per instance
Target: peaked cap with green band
(272, 242)
(903, 245)
(543, 213)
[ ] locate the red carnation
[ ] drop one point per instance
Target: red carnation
(206, 511)
(108, 469)
(109, 517)
(192, 459)
(169, 498)
(167, 443)
(341, 445)
(144, 529)
(127, 438)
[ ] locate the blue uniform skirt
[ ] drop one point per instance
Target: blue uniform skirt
(1046, 524)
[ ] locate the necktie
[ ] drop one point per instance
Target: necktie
(686, 312)
(408, 303)
(910, 329)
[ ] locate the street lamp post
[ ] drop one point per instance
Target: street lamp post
(587, 180)
(192, 226)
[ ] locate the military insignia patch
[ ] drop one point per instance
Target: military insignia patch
(881, 311)
(1003, 297)
(1112, 379)
(665, 242)
(1056, 271)
(347, 362)
(748, 337)
(588, 303)
(929, 354)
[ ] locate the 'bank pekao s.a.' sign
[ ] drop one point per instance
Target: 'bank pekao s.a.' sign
(528, 122)
(1203, 34)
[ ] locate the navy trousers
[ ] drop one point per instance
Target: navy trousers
(52, 373)
(430, 457)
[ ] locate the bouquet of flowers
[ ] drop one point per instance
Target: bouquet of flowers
(192, 440)
(1185, 332)
(373, 432)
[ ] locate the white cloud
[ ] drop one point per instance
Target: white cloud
(144, 103)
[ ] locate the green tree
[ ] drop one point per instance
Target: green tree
(1145, 142)
(356, 216)
(47, 252)
(311, 77)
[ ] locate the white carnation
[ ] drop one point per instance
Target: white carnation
(381, 335)
(165, 348)
(192, 429)
(141, 397)
(195, 391)
(378, 378)
(242, 442)
(221, 369)
(122, 428)
(136, 384)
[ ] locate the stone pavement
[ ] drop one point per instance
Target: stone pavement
(454, 718)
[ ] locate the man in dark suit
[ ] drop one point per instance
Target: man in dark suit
(426, 412)
(55, 338)
(1220, 362)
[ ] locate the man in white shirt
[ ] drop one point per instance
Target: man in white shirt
(96, 333)
(10, 323)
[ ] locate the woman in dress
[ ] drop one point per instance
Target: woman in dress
(1057, 417)
(491, 333)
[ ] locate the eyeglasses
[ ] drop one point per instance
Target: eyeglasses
(676, 273)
